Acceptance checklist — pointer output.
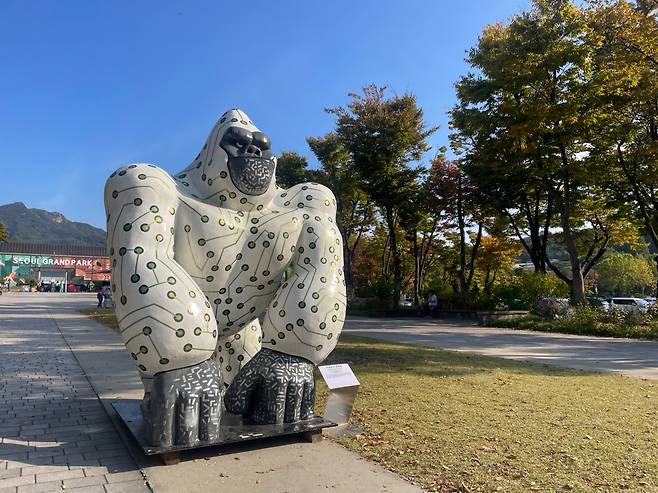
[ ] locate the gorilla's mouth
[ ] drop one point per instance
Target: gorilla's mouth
(251, 175)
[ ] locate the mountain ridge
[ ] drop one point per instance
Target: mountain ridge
(33, 225)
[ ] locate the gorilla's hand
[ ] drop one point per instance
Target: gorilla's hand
(184, 406)
(273, 388)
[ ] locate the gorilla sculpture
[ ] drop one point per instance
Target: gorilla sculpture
(222, 278)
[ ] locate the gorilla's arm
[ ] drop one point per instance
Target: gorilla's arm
(301, 325)
(307, 314)
(164, 318)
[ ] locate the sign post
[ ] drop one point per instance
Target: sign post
(343, 388)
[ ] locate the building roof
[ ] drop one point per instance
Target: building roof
(49, 249)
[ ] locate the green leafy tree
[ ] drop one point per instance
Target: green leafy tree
(291, 169)
(497, 256)
(526, 288)
(627, 139)
(453, 193)
(355, 215)
(384, 136)
(624, 274)
(423, 219)
(531, 107)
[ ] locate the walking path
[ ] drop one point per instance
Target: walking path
(59, 372)
(625, 356)
(55, 434)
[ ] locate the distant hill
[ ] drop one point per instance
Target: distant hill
(39, 226)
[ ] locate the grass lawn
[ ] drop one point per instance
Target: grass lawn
(454, 422)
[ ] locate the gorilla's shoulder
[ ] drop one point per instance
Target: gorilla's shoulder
(141, 174)
(309, 195)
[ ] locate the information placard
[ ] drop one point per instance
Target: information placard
(338, 376)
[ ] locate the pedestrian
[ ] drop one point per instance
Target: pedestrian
(107, 295)
(432, 304)
(100, 298)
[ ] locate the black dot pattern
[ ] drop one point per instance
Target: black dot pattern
(199, 263)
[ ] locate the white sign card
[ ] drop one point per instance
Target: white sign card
(338, 376)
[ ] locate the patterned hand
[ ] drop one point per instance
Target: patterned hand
(184, 405)
(273, 388)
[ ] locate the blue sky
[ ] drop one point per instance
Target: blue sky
(88, 86)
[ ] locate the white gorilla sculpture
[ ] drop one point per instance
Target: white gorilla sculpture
(198, 259)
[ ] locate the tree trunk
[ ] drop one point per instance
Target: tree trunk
(397, 261)
(417, 268)
(641, 201)
(656, 260)
(347, 268)
(534, 252)
(474, 253)
(461, 281)
(577, 285)
(487, 286)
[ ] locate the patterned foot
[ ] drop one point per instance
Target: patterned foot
(184, 405)
(273, 388)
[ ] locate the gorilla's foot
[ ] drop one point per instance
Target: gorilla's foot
(273, 388)
(184, 405)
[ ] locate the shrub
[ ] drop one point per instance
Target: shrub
(585, 320)
(381, 289)
(550, 308)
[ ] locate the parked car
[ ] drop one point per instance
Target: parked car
(636, 305)
(407, 302)
(596, 302)
(650, 300)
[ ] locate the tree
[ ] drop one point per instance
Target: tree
(354, 215)
(384, 136)
(497, 255)
(453, 192)
(291, 169)
(421, 217)
(627, 141)
(3, 232)
(532, 108)
(625, 274)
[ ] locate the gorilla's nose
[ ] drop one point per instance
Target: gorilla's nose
(252, 150)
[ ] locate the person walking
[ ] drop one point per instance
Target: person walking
(432, 304)
(107, 295)
(100, 298)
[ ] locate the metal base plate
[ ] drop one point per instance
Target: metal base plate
(232, 430)
(346, 430)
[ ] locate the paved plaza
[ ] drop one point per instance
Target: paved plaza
(55, 432)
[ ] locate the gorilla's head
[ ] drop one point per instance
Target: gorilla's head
(250, 161)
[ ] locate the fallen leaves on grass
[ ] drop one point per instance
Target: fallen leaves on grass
(452, 422)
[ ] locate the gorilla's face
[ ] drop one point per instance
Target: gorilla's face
(250, 161)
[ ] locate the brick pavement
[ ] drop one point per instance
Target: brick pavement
(54, 433)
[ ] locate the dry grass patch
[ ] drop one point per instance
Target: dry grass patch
(457, 422)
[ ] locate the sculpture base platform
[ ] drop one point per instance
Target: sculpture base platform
(232, 430)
